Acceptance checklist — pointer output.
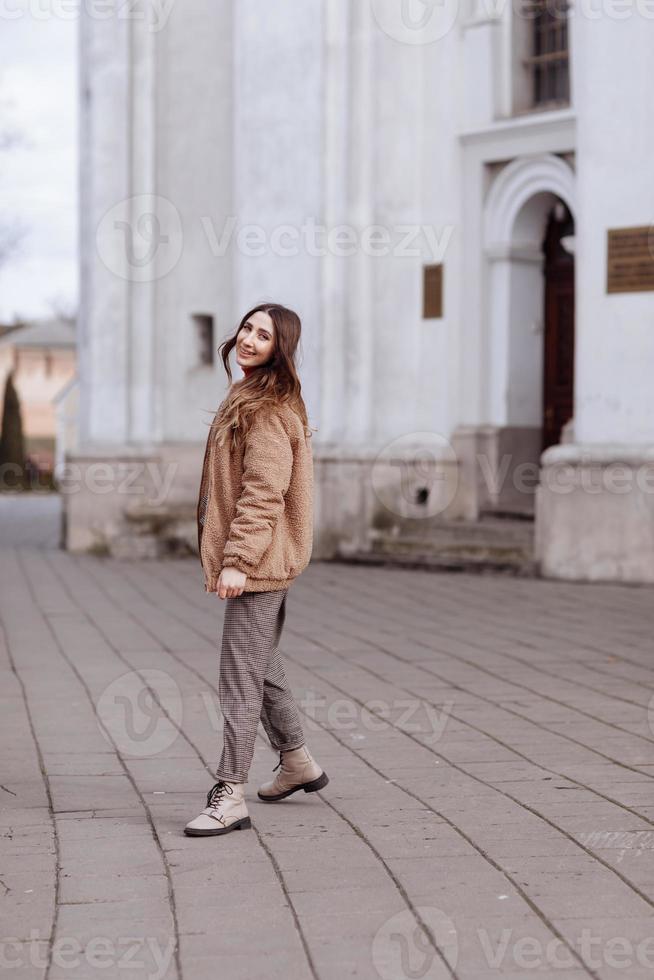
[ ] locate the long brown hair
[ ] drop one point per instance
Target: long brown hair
(274, 383)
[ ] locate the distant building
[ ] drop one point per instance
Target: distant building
(456, 197)
(42, 355)
(66, 403)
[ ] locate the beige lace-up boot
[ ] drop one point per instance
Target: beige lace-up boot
(299, 770)
(225, 811)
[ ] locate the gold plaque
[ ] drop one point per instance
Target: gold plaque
(432, 292)
(630, 266)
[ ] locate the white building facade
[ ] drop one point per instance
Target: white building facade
(455, 197)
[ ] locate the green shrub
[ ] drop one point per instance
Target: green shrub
(12, 442)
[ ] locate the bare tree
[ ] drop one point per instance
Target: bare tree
(62, 307)
(12, 231)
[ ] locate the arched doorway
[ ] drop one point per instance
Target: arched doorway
(529, 323)
(559, 324)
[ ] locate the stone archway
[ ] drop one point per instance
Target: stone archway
(518, 206)
(516, 184)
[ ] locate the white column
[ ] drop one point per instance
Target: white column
(194, 175)
(104, 182)
(145, 423)
(359, 333)
(615, 333)
(483, 64)
(334, 335)
(278, 168)
(595, 510)
(497, 338)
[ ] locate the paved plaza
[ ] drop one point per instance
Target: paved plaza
(489, 742)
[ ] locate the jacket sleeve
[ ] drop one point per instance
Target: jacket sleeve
(267, 467)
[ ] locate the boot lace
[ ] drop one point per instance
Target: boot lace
(217, 792)
(280, 761)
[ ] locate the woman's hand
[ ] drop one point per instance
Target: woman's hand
(230, 583)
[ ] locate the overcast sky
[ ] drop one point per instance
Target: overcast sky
(38, 179)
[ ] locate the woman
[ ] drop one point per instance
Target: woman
(255, 534)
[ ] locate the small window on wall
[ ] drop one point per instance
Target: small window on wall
(548, 62)
(432, 292)
(203, 325)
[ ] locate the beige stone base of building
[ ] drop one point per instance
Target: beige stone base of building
(594, 504)
(595, 513)
(138, 502)
(131, 502)
(498, 469)
(134, 503)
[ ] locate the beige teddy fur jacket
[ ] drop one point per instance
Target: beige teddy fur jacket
(255, 507)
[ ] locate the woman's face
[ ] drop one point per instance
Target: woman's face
(255, 340)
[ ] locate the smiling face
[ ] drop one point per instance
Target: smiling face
(255, 341)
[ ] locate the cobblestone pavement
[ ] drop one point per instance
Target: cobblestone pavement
(489, 743)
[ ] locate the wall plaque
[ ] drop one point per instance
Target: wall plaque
(630, 265)
(432, 292)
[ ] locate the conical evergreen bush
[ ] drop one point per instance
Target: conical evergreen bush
(12, 442)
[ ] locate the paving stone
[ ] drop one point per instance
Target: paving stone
(230, 931)
(79, 887)
(519, 691)
(276, 965)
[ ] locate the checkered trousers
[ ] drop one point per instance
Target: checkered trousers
(253, 685)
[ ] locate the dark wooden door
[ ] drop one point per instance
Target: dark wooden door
(558, 388)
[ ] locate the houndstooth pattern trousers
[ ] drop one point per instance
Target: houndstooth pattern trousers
(252, 685)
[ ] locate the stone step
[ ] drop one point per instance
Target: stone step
(491, 544)
(505, 565)
(490, 532)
